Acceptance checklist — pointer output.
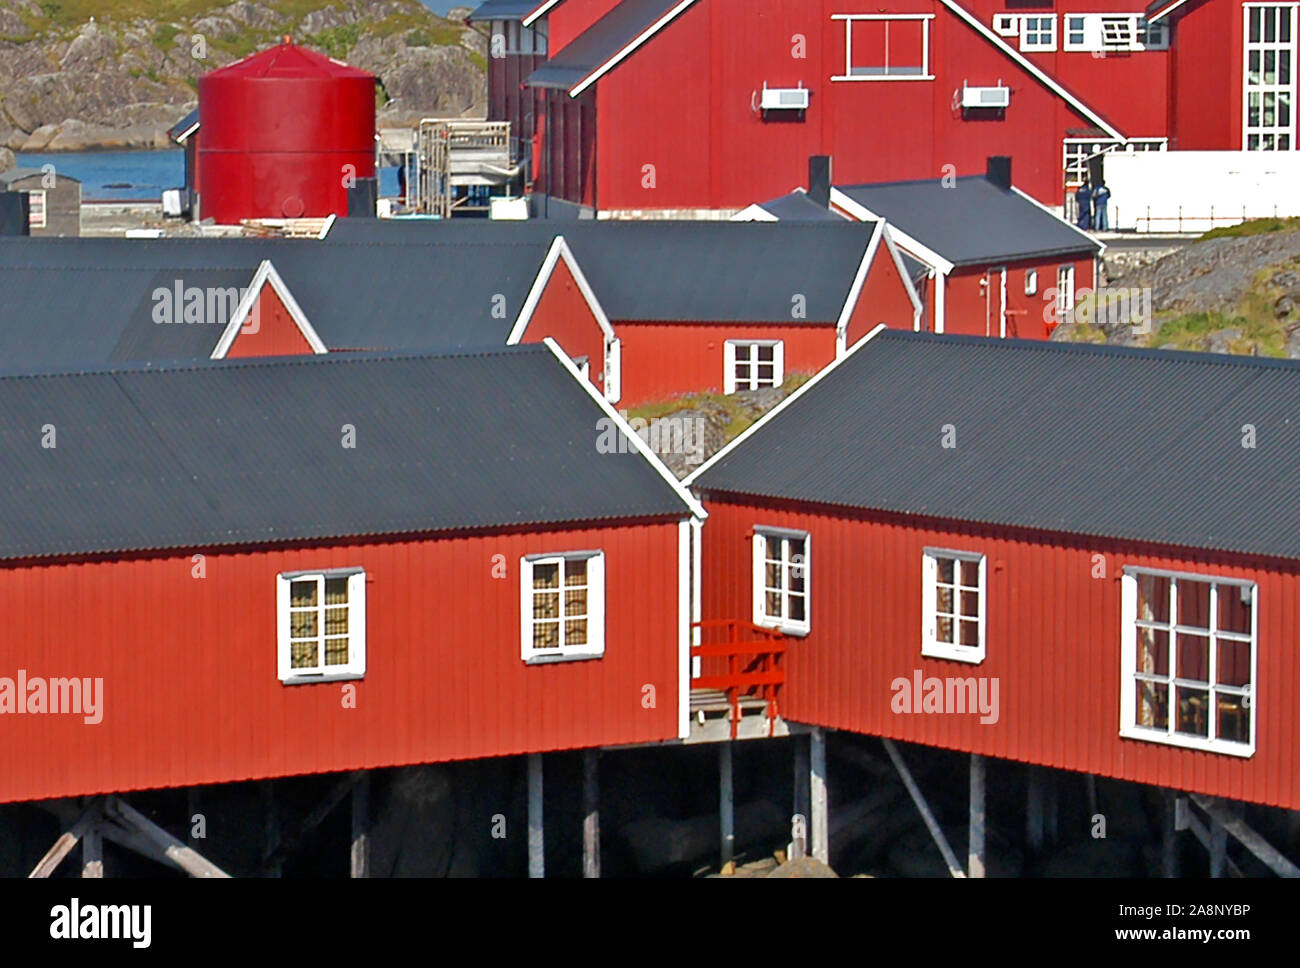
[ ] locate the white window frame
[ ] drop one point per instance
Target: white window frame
(355, 667)
(1137, 33)
(849, 18)
(1287, 13)
(931, 647)
(762, 535)
(1064, 291)
(37, 211)
(1031, 282)
(1038, 44)
(613, 372)
(730, 356)
(1129, 676)
(1006, 24)
(594, 647)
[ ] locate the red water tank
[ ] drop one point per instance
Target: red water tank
(283, 134)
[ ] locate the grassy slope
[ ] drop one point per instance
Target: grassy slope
(741, 416)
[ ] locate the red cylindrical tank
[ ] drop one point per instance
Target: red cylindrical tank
(283, 134)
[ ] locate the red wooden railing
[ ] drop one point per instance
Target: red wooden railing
(754, 658)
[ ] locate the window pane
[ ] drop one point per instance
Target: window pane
(970, 574)
(1194, 603)
(970, 633)
(1234, 609)
(1233, 663)
(302, 654)
(336, 621)
(772, 575)
(970, 604)
(336, 651)
(943, 630)
(947, 570)
(336, 591)
(1193, 658)
(796, 576)
(546, 575)
(575, 602)
(1192, 717)
(773, 606)
(944, 600)
(1153, 651)
(546, 605)
(1152, 704)
(766, 354)
(796, 608)
(1234, 719)
(575, 632)
(1153, 598)
(302, 593)
(575, 572)
(303, 625)
(546, 635)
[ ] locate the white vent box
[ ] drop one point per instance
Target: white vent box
(986, 97)
(784, 98)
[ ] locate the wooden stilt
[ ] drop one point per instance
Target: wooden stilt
(92, 852)
(1034, 809)
(799, 801)
(726, 804)
(591, 813)
(1218, 848)
(190, 861)
(69, 839)
(1267, 854)
(975, 859)
(536, 838)
(359, 859)
(1169, 837)
(918, 798)
(819, 835)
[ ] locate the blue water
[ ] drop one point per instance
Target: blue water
(147, 173)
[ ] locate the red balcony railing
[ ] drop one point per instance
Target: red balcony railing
(753, 659)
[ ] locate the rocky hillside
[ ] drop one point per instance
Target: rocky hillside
(85, 74)
(1235, 290)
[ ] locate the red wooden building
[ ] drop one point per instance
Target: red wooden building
(952, 81)
(200, 596)
(1002, 563)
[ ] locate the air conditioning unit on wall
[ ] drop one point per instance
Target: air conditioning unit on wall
(784, 98)
(998, 96)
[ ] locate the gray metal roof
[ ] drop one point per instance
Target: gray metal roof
(503, 10)
(599, 42)
(251, 452)
(178, 130)
(798, 207)
(675, 271)
(1091, 440)
(971, 221)
(18, 174)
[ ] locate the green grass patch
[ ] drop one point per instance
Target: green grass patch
(1257, 226)
(336, 42)
(740, 416)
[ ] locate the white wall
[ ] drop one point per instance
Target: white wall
(1193, 191)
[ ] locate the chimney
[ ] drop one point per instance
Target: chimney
(819, 180)
(999, 171)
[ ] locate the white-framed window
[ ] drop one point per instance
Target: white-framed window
(1038, 32)
(752, 364)
(782, 569)
(36, 216)
(1188, 654)
(953, 604)
(1031, 282)
(886, 46)
(1268, 77)
(1006, 24)
(562, 606)
(1064, 291)
(613, 369)
(1099, 32)
(321, 622)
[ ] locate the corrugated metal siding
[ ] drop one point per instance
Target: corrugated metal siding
(1053, 637)
(883, 299)
(662, 360)
(189, 664)
(270, 332)
(563, 314)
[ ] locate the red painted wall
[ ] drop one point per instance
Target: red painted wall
(968, 312)
(189, 665)
(269, 331)
(562, 313)
(1053, 642)
(1207, 81)
(663, 360)
(884, 299)
(722, 51)
(571, 17)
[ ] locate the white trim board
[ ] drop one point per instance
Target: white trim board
(692, 504)
(540, 11)
(917, 308)
(629, 48)
(771, 414)
(266, 274)
(860, 279)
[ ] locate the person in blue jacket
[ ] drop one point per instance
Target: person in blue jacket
(1083, 198)
(1100, 196)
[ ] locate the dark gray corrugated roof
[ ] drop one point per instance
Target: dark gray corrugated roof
(972, 220)
(916, 269)
(183, 125)
(18, 174)
(250, 452)
(1133, 444)
(678, 270)
(599, 42)
(503, 10)
(798, 207)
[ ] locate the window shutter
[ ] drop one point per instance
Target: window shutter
(357, 623)
(929, 575)
(614, 370)
(778, 358)
(728, 367)
(525, 607)
(282, 658)
(760, 551)
(596, 601)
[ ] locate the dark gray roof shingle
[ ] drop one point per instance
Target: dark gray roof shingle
(1090, 440)
(972, 221)
(503, 10)
(599, 42)
(798, 207)
(250, 452)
